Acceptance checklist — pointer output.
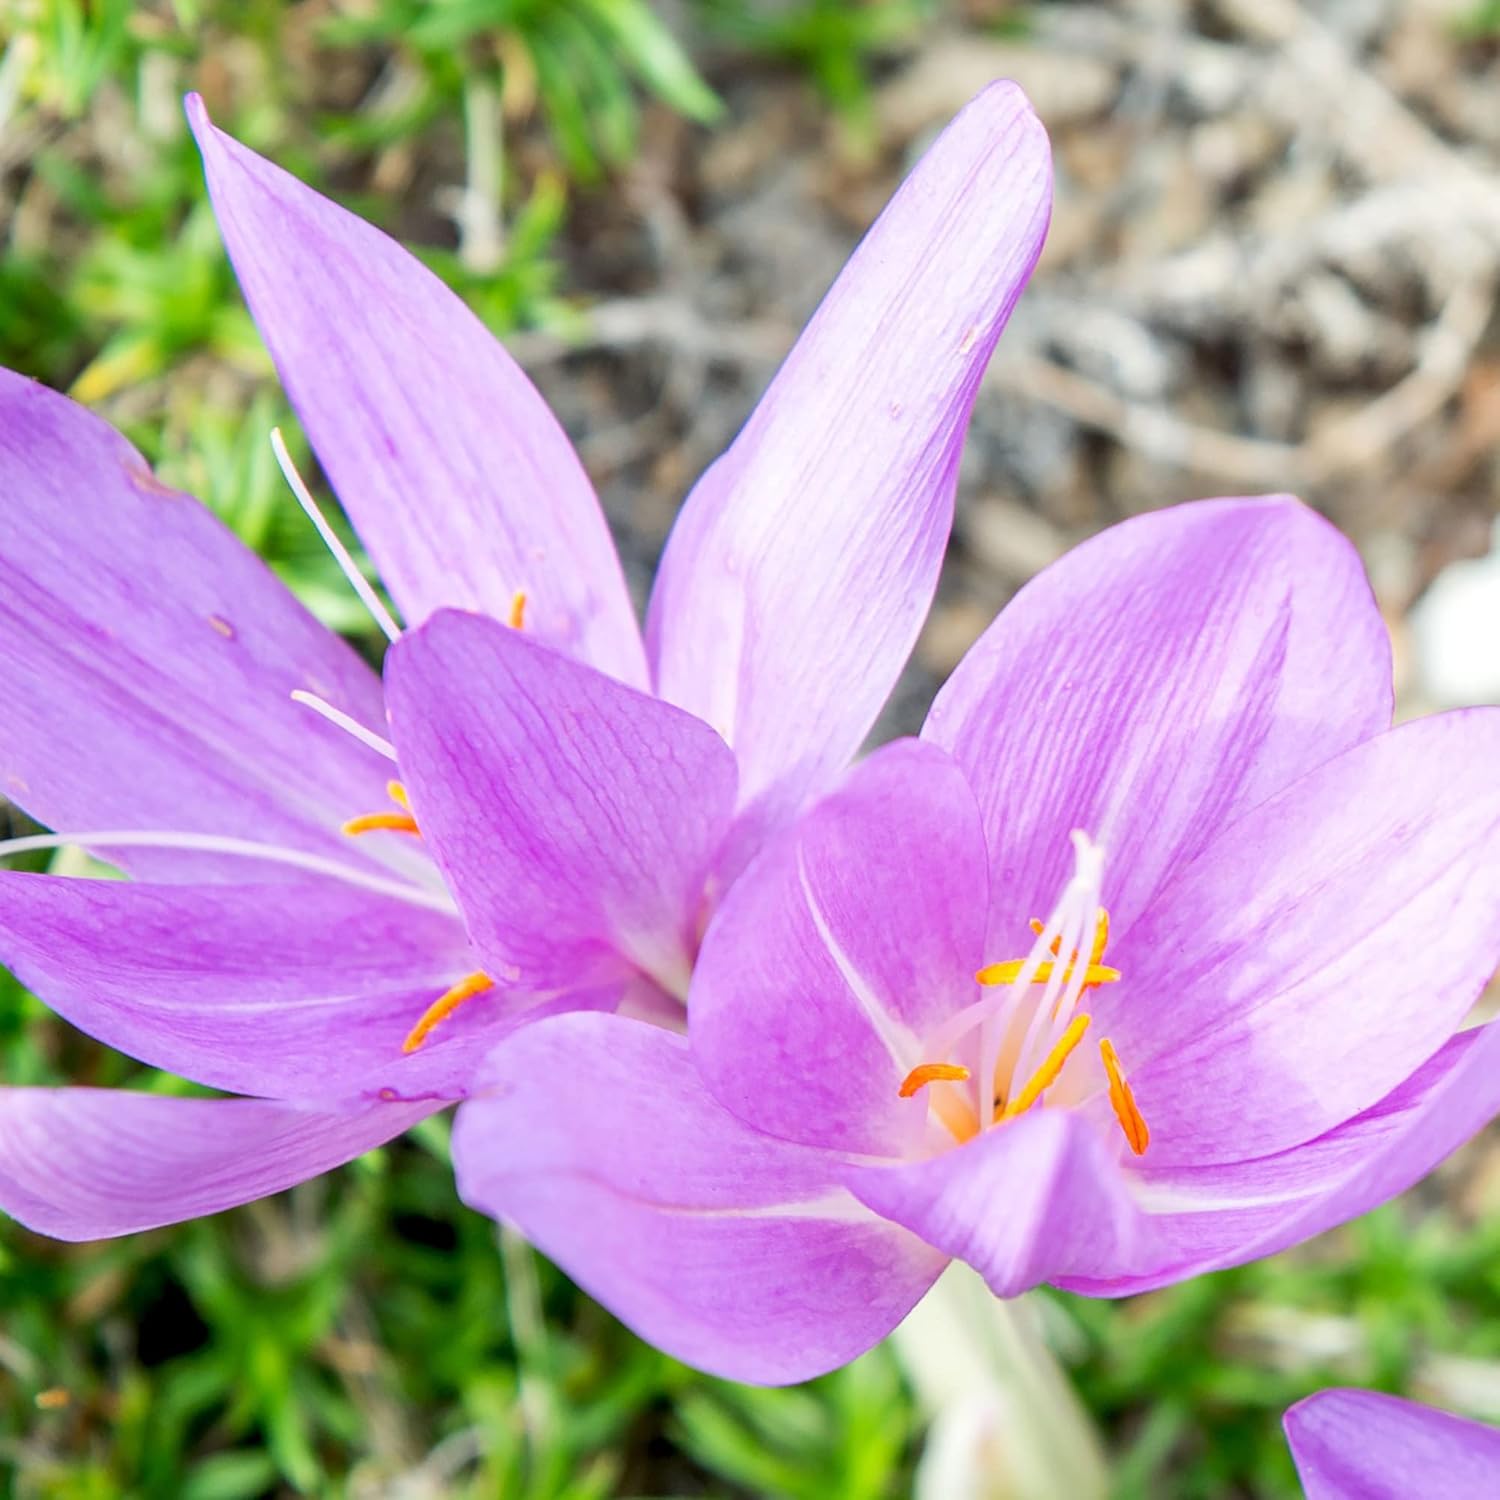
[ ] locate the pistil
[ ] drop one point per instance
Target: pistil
(1035, 1043)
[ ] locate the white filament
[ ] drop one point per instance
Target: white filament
(1074, 920)
(212, 843)
(338, 717)
(357, 580)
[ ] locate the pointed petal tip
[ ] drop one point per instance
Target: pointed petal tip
(764, 597)
(197, 114)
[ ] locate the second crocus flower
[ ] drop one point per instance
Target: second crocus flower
(583, 795)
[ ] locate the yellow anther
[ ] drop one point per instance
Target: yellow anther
(1009, 972)
(926, 1073)
(394, 822)
(518, 611)
(390, 822)
(1122, 1101)
(1046, 1075)
(444, 1006)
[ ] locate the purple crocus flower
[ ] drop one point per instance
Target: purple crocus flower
(1361, 1445)
(285, 937)
(1148, 958)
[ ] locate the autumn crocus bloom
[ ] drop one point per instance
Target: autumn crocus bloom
(1146, 959)
(1361, 1445)
(338, 924)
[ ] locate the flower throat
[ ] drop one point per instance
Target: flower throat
(1023, 1053)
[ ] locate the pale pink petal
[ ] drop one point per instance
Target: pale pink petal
(1206, 1218)
(853, 936)
(1363, 1445)
(453, 470)
(727, 1249)
(1319, 950)
(804, 561)
(1036, 1200)
(576, 820)
(147, 662)
(88, 1164)
(303, 991)
(1159, 680)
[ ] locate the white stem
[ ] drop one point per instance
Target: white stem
(1005, 1423)
(1077, 912)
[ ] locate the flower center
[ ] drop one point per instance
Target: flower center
(1021, 1042)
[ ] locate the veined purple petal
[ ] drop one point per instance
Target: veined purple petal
(452, 468)
(1362, 1445)
(574, 818)
(1319, 950)
(300, 991)
(1037, 1199)
(804, 561)
(1207, 1218)
(735, 1252)
(1162, 678)
(147, 660)
(88, 1164)
(851, 938)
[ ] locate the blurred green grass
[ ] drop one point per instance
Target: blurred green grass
(365, 1335)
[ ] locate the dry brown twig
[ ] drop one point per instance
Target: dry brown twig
(1425, 192)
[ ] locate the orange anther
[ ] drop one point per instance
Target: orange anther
(1039, 927)
(518, 611)
(926, 1073)
(397, 793)
(1132, 1122)
(1009, 972)
(444, 1006)
(1101, 936)
(394, 822)
(1046, 1075)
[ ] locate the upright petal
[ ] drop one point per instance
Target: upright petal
(302, 991)
(802, 566)
(1033, 1201)
(88, 1164)
(853, 935)
(449, 463)
(730, 1250)
(574, 818)
(1160, 679)
(147, 660)
(1320, 950)
(1362, 1445)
